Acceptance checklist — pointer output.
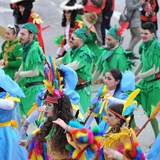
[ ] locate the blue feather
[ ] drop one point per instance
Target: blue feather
(75, 124)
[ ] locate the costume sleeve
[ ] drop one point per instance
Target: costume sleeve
(34, 116)
(2, 47)
(99, 64)
(149, 72)
(97, 3)
(30, 73)
(7, 104)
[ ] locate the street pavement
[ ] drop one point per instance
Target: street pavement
(50, 13)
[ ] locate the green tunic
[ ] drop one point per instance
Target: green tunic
(12, 55)
(85, 58)
(150, 88)
(34, 57)
(117, 58)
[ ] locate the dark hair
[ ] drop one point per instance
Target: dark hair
(118, 108)
(117, 75)
(61, 110)
(73, 18)
(149, 26)
(21, 19)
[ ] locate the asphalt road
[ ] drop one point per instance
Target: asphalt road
(50, 13)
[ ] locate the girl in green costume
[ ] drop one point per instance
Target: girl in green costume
(11, 55)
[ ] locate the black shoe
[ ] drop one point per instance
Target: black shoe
(134, 57)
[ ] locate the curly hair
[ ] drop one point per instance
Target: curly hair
(73, 18)
(61, 110)
(118, 108)
(21, 19)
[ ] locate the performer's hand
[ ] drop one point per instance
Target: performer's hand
(113, 154)
(22, 142)
(61, 123)
(42, 108)
(2, 62)
(110, 152)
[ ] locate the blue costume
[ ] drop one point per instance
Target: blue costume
(127, 84)
(9, 147)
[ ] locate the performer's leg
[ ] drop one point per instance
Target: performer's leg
(155, 126)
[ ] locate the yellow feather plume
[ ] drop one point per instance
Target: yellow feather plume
(130, 99)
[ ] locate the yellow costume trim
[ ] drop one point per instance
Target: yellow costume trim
(76, 108)
(12, 123)
(104, 118)
(110, 138)
(19, 57)
(6, 63)
(95, 114)
(36, 18)
(34, 107)
(12, 98)
(9, 49)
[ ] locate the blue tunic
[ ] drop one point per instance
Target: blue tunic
(9, 147)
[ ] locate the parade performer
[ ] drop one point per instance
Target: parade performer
(114, 56)
(116, 90)
(26, 14)
(81, 59)
(11, 55)
(70, 23)
(149, 75)
(119, 142)
(70, 80)
(30, 75)
(10, 149)
(58, 105)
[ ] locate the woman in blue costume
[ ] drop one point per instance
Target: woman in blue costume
(9, 148)
(115, 91)
(70, 81)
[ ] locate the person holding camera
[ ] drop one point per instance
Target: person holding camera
(149, 13)
(133, 12)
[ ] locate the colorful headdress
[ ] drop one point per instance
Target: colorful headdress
(70, 5)
(129, 106)
(53, 81)
(117, 32)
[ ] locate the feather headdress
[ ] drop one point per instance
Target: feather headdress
(53, 79)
